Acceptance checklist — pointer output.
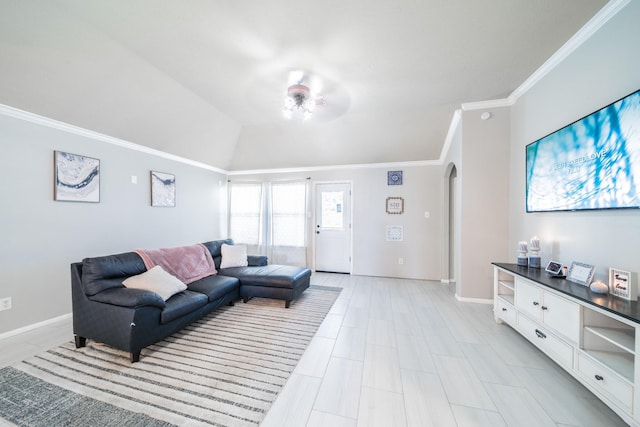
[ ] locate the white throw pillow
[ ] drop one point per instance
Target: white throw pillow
(156, 280)
(233, 256)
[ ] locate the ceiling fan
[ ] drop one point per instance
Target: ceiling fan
(302, 97)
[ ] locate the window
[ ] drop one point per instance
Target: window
(245, 200)
(271, 218)
(288, 214)
(332, 203)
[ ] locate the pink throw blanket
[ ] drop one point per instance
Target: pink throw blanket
(187, 263)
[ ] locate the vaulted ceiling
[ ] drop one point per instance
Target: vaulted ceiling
(205, 79)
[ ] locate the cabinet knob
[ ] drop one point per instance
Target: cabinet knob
(543, 307)
(599, 377)
(536, 303)
(504, 309)
(540, 334)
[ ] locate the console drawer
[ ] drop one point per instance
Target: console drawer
(604, 379)
(505, 311)
(546, 341)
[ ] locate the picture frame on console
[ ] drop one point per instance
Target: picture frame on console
(581, 273)
(622, 284)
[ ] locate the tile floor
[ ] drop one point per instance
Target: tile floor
(396, 352)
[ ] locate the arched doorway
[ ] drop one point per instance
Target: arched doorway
(449, 258)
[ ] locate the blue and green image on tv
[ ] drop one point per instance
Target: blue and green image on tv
(593, 163)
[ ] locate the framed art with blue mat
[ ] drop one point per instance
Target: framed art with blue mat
(394, 178)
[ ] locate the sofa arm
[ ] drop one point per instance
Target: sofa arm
(257, 260)
(124, 297)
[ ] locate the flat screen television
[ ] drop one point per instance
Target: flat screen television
(593, 163)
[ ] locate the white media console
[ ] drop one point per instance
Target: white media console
(592, 336)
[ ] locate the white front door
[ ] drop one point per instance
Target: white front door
(333, 227)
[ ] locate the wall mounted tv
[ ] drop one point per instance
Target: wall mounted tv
(593, 163)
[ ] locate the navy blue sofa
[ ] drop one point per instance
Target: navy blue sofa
(132, 319)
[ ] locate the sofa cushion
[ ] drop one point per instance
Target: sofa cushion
(257, 260)
(215, 247)
(215, 287)
(124, 297)
(120, 266)
(277, 276)
(234, 256)
(182, 303)
(156, 280)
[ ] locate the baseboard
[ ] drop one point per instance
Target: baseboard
(447, 281)
(34, 326)
(474, 300)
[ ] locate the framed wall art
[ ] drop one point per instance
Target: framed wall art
(76, 178)
(395, 233)
(622, 284)
(163, 189)
(395, 205)
(394, 178)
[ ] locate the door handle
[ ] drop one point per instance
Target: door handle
(540, 334)
(599, 378)
(536, 303)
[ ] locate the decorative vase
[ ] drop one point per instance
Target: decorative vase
(534, 258)
(522, 254)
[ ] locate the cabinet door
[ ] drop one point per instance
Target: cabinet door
(529, 299)
(562, 315)
(505, 311)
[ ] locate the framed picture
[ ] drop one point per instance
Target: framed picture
(395, 205)
(77, 178)
(163, 189)
(580, 273)
(394, 178)
(622, 284)
(395, 233)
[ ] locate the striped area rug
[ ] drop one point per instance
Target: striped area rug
(225, 370)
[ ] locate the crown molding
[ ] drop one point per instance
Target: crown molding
(453, 125)
(593, 25)
(485, 105)
(339, 167)
(16, 113)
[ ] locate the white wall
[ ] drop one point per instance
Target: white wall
(40, 238)
(602, 70)
(372, 254)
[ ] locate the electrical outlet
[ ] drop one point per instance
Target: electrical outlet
(400, 261)
(5, 304)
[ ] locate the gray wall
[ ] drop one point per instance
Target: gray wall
(372, 254)
(40, 237)
(480, 153)
(602, 70)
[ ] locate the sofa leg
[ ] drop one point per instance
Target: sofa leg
(232, 303)
(135, 356)
(80, 341)
(287, 303)
(245, 299)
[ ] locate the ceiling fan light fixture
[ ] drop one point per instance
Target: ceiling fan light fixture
(299, 98)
